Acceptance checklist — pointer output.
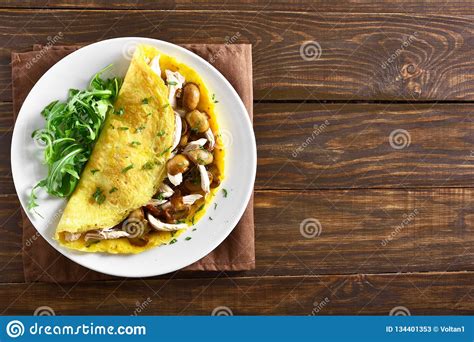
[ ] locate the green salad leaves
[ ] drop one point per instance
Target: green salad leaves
(71, 129)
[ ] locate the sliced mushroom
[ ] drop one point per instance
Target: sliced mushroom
(175, 81)
(176, 179)
(190, 199)
(166, 227)
(105, 234)
(155, 202)
(165, 190)
(69, 237)
(200, 156)
(177, 130)
(210, 136)
(194, 145)
(177, 164)
(155, 65)
(205, 182)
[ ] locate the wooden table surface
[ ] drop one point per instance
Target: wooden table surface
(372, 143)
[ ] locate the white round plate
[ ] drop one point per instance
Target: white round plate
(75, 71)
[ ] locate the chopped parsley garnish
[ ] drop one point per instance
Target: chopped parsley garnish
(139, 129)
(98, 196)
(215, 206)
(200, 208)
(194, 229)
(135, 143)
(214, 98)
(93, 171)
(120, 111)
(113, 190)
(173, 241)
(172, 83)
(210, 218)
(123, 128)
(188, 238)
(160, 133)
(125, 169)
(225, 192)
(166, 105)
(145, 101)
(158, 197)
(165, 150)
(149, 114)
(148, 165)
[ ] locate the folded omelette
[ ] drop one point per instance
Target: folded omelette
(156, 164)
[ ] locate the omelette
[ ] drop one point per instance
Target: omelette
(155, 166)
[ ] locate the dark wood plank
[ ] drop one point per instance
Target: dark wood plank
(320, 6)
(310, 146)
(361, 231)
(364, 56)
(421, 294)
(323, 146)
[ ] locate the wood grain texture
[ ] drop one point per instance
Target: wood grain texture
(334, 146)
(422, 294)
(320, 6)
(361, 231)
(363, 56)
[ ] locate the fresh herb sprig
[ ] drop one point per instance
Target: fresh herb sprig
(71, 130)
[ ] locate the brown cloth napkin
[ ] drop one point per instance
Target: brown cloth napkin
(42, 262)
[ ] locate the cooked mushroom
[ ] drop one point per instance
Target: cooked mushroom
(175, 81)
(137, 214)
(193, 183)
(176, 179)
(105, 234)
(155, 202)
(214, 173)
(155, 65)
(200, 156)
(210, 136)
(196, 144)
(205, 183)
(190, 199)
(71, 236)
(166, 227)
(178, 164)
(165, 190)
(197, 121)
(191, 95)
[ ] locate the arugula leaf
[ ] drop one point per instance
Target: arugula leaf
(71, 130)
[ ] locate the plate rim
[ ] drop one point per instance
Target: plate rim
(250, 185)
